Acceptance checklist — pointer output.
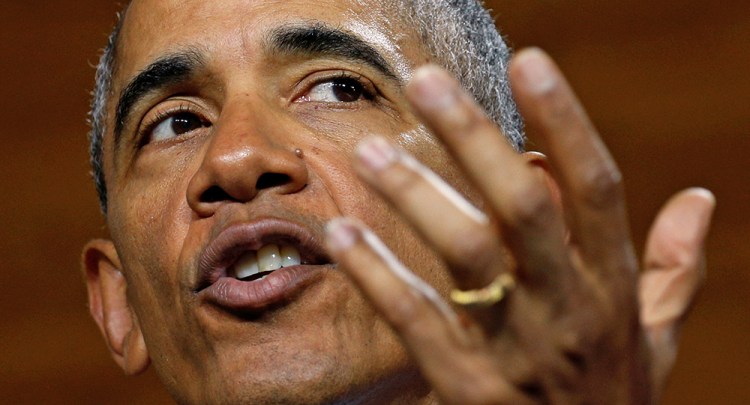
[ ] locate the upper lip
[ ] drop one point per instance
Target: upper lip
(236, 239)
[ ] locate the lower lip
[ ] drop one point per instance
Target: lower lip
(251, 296)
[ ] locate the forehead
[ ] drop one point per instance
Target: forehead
(154, 27)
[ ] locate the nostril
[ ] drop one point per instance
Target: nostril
(270, 180)
(215, 194)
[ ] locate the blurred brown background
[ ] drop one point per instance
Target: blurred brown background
(667, 83)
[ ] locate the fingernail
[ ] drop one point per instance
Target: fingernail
(376, 153)
(538, 70)
(704, 193)
(433, 88)
(341, 234)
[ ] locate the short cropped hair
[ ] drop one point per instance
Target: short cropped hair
(460, 34)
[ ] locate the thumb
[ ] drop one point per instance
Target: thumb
(674, 271)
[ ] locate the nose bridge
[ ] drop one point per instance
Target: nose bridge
(249, 152)
(241, 129)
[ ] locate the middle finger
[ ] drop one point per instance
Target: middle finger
(532, 226)
(459, 232)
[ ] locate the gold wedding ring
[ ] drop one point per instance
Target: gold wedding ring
(487, 296)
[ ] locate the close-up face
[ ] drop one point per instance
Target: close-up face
(230, 133)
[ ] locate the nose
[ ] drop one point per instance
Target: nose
(247, 154)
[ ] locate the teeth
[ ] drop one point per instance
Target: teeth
(247, 265)
(268, 258)
(290, 256)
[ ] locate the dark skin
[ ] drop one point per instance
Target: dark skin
(358, 326)
(576, 326)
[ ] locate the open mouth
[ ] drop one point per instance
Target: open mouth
(251, 266)
(256, 265)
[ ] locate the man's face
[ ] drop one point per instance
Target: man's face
(237, 141)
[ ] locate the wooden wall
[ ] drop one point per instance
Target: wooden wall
(666, 82)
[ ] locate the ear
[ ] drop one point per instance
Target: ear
(108, 304)
(539, 162)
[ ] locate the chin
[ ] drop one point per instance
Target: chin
(309, 364)
(304, 377)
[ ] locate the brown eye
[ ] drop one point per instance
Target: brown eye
(341, 90)
(176, 125)
(347, 91)
(185, 122)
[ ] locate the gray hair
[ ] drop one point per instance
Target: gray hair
(460, 34)
(98, 113)
(463, 38)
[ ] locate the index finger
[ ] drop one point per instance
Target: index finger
(590, 180)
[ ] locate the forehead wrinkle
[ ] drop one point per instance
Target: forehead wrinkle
(317, 38)
(383, 30)
(385, 42)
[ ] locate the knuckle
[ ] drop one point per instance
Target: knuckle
(466, 118)
(405, 312)
(575, 344)
(590, 335)
(602, 186)
(405, 180)
(477, 245)
(529, 206)
(556, 105)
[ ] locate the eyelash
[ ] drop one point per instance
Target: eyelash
(369, 93)
(162, 116)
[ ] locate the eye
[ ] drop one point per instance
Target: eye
(340, 90)
(176, 125)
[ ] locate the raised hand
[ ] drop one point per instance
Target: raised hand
(556, 313)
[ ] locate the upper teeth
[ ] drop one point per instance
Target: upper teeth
(268, 258)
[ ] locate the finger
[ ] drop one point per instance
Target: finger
(457, 230)
(589, 178)
(409, 304)
(516, 194)
(674, 269)
(673, 258)
(449, 355)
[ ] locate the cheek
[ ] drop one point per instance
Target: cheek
(356, 199)
(150, 228)
(149, 219)
(396, 232)
(150, 204)
(154, 219)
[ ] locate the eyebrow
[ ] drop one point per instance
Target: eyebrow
(321, 40)
(165, 71)
(315, 39)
